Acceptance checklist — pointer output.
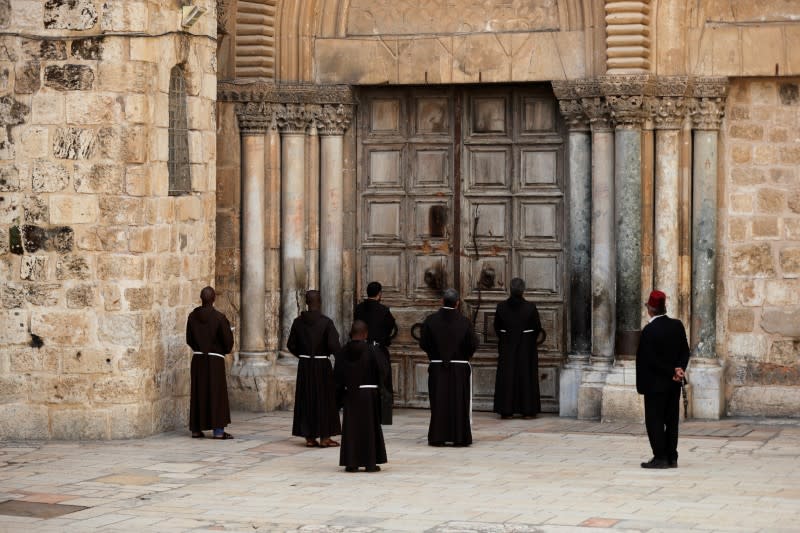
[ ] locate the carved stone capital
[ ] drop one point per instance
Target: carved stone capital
(334, 120)
(573, 113)
(596, 110)
(669, 112)
(708, 105)
(626, 96)
(294, 118)
(255, 118)
(284, 93)
(222, 16)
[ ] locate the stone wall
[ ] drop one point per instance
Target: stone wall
(99, 265)
(760, 255)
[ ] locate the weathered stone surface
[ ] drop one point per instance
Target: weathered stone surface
(83, 360)
(70, 14)
(27, 77)
(112, 266)
(37, 210)
(79, 424)
(784, 353)
(790, 261)
(81, 296)
(12, 295)
(98, 178)
(44, 49)
(13, 327)
(793, 202)
(48, 176)
(752, 260)
(9, 178)
(113, 238)
(741, 320)
(94, 109)
(121, 210)
(5, 13)
(73, 209)
(72, 267)
(31, 421)
(133, 420)
(73, 143)
(33, 268)
(112, 297)
(12, 112)
(71, 328)
(139, 298)
(69, 77)
(48, 108)
(42, 294)
(90, 48)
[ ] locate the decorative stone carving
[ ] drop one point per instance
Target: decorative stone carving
(285, 93)
(626, 97)
(255, 118)
(668, 107)
(596, 109)
(334, 120)
(222, 17)
(295, 118)
(628, 35)
(708, 106)
(570, 105)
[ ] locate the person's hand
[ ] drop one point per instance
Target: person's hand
(679, 374)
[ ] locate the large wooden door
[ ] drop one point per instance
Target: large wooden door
(441, 172)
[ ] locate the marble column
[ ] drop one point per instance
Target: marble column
(705, 373)
(312, 200)
(253, 123)
(602, 253)
(668, 116)
(579, 174)
(293, 121)
(332, 121)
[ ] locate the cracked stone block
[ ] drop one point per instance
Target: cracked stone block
(12, 296)
(80, 296)
(72, 267)
(9, 178)
(73, 143)
(33, 267)
(42, 294)
(36, 49)
(91, 48)
(69, 77)
(49, 177)
(37, 210)
(12, 112)
(9, 208)
(69, 14)
(27, 77)
(8, 50)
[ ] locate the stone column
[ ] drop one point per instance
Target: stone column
(312, 200)
(293, 120)
(626, 97)
(579, 174)
(332, 123)
(603, 319)
(668, 115)
(254, 120)
(705, 374)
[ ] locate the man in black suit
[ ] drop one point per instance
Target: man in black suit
(661, 361)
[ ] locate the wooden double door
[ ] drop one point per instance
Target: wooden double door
(463, 187)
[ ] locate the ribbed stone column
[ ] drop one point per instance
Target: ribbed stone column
(602, 252)
(293, 120)
(579, 174)
(668, 115)
(332, 123)
(254, 120)
(705, 375)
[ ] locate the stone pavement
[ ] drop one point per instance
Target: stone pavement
(548, 474)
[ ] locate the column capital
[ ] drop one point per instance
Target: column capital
(255, 118)
(295, 118)
(334, 119)
(568, 94)
(708, 105)
(626, 96)
(668, 108)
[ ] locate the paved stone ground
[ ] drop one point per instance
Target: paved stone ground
(548, 474)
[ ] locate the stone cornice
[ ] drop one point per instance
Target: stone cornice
(284, 93)
(255, 118)
(334, 119)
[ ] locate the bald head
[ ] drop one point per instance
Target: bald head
(313, 300)
(359, 330)
(207, 296)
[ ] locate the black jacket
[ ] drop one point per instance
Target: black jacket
(662, 348)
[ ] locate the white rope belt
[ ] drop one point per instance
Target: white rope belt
(367, 386)
(527, 331)
(209, 353)
(454, 361)
(502, 331)
(313, 356)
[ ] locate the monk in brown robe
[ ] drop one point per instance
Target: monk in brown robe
(209, 335)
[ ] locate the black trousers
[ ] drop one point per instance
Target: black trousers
(661, 416)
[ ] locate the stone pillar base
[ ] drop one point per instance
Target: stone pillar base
(568, 389)
(708, 393)
(258, 384)
(621, 402)
(590, 393)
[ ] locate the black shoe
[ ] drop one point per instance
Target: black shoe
(673, 463)
(437, 444)
(656, 463)
(351, 469)
(375, 468)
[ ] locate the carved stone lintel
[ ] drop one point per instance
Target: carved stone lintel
(334, 120)
(255, 118)
(295, 118)
(710, 87)
(284, 93)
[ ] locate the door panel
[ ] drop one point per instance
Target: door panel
(442, 171)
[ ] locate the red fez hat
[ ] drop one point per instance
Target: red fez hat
(657, 300)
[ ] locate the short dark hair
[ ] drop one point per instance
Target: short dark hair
(359, 327)
(207, 295)
(374, 288)
(450, 297)
(517, 287)
(313, 299)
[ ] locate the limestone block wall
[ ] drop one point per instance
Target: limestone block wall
(99, 266)
(760, 255)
